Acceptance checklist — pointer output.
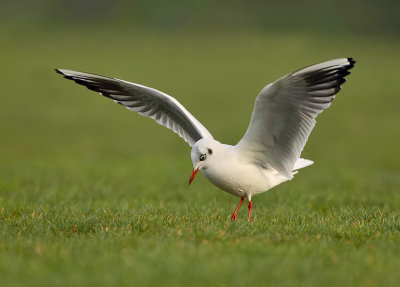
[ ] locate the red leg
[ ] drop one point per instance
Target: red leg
(250, 208)
(234, 215)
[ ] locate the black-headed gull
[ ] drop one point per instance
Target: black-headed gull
(269, 152)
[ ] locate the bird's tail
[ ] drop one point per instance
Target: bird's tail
(301, 163)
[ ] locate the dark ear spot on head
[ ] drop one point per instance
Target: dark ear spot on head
(209, 151)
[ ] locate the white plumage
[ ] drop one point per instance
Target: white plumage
(269, 152)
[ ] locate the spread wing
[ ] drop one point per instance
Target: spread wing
(146, 101)
(285, 111)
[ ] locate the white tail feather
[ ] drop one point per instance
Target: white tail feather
(301, 163)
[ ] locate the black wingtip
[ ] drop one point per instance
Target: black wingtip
(351, 61)
(65, 75)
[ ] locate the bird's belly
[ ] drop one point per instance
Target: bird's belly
(243, 180)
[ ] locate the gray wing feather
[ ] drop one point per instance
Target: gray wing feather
(285, 111)
(146, 101)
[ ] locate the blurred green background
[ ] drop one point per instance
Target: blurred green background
(91, 193)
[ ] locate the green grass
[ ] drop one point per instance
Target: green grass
(91, 194)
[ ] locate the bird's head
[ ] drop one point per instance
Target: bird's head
(202, 154)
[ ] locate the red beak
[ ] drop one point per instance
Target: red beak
(194, 172)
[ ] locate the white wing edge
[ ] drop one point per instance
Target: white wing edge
(70, 74)
(204, 132)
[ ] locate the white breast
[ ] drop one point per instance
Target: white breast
(232, 173)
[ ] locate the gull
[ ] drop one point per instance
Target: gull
(269, 152)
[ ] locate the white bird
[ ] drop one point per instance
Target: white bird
(269, 152)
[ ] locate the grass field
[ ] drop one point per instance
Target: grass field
(94, 195)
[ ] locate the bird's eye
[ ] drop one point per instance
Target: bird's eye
(202, 157)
